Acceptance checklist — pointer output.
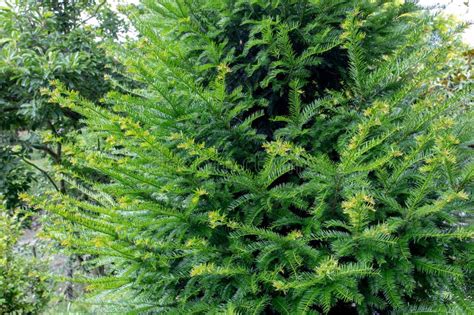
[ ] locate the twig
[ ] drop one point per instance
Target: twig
(94, 13)
(42, 171)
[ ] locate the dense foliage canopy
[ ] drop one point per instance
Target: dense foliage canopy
(285, 157)
(43, 41)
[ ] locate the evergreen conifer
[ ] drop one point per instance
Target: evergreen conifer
(285, 157)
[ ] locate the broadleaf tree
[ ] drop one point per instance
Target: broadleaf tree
(43, 41)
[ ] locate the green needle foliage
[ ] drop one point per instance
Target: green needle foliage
(283, 157)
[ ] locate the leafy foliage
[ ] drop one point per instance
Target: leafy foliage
(16, 177)
(40, 42)
(23, 285)
(292, 157)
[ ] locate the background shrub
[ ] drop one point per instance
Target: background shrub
(24, 288)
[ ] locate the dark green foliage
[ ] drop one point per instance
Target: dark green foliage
(16, 177)
(288, 157)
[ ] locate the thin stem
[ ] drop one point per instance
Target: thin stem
(42, 171)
